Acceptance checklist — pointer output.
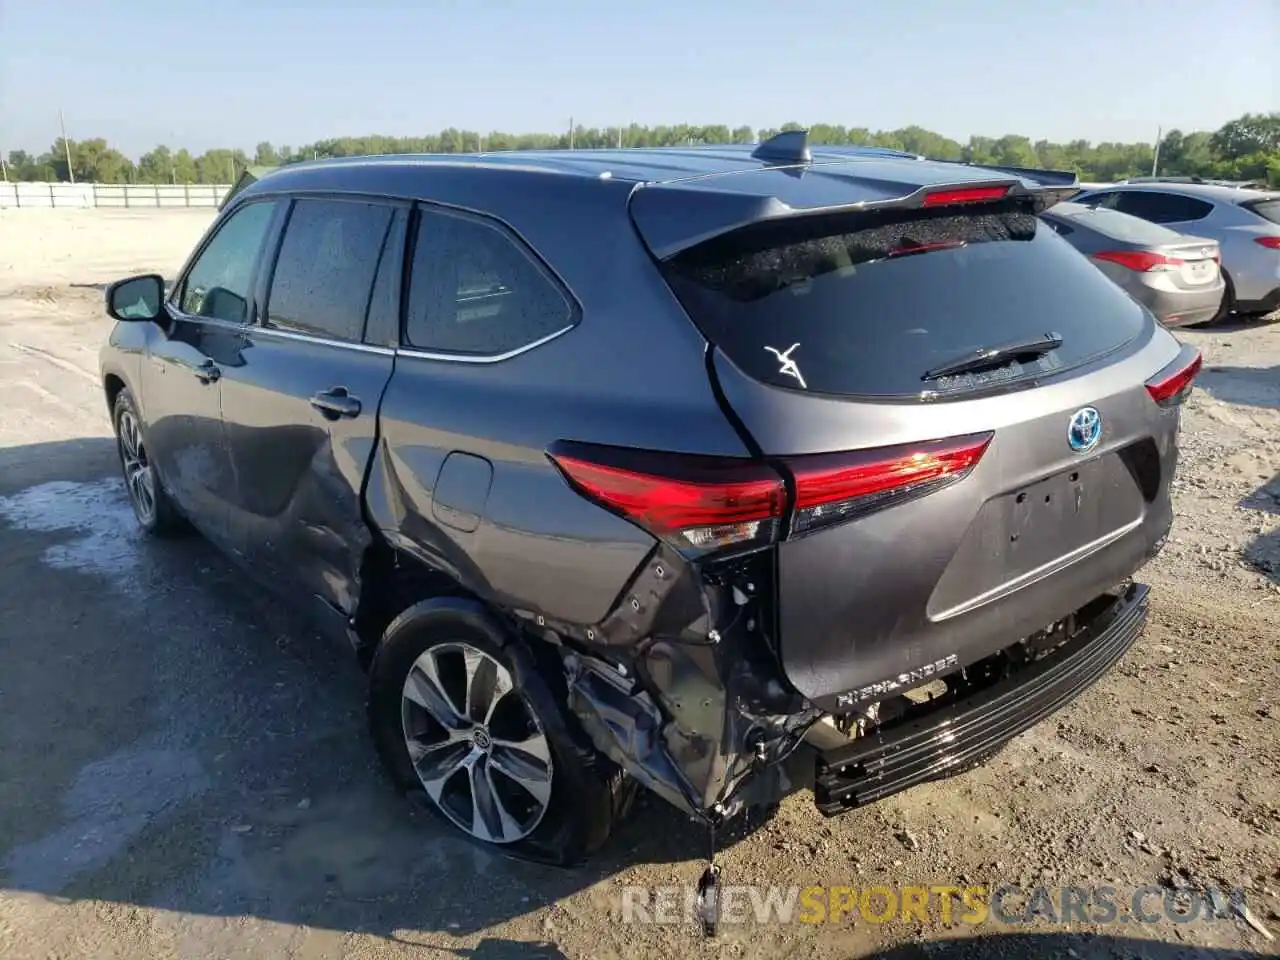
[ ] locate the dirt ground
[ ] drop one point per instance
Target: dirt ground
(184, 771)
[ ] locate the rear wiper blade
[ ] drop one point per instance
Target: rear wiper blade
(988, 358)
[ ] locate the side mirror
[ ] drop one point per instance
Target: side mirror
(137, 298)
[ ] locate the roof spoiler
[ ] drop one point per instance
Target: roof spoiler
(1045, 178)
(671, 224)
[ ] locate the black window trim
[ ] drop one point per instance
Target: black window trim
(488, 220)
(271, 258)
(173, 304)
(1166, 193)
(263, 272)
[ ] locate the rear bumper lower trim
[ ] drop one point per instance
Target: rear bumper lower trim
(874, 767)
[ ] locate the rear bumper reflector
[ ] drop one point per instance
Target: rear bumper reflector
(873, 767)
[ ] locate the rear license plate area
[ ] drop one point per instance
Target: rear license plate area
(1036, 526)
(1052, 517)
(1200, 271)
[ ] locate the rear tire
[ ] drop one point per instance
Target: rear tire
(493, 753)
(1228, 301)
(155, 511)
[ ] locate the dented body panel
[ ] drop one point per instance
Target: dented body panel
(298, 515)
(697, 669)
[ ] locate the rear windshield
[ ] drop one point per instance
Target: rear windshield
(1116, 225)
(1267, 209)
(869, 306)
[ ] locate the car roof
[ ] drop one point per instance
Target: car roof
(1203, 191)
(664, 166)
(733, 185)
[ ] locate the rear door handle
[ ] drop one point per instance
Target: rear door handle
(336, 402)
(207, 372)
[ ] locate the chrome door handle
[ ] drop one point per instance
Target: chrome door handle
(336, 402)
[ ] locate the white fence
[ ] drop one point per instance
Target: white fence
(120, 195)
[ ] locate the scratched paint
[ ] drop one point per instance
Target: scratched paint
(103, 536)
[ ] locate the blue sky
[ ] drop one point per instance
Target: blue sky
(234, 72)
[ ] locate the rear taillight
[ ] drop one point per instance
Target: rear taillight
(1172, 385)
(831, 488)
(1139, 260)
(702, 504)
(1272, 243)
(693, 503)
(947, 197)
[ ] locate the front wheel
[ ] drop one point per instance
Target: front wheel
(151, 505)
(462, 717)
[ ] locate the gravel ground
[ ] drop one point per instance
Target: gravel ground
(184, 771)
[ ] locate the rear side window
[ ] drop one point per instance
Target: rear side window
(1162, 207)
(324, 274)
(1266, 209)
(867, 306)
(476, 290)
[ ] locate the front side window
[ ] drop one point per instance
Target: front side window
(218, 284)
(475, 290)
(323, 279)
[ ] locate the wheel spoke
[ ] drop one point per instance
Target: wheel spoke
(489, 818)
(437, 762)
(526, 763)
(129, 437)
(424, 688)
(486, 686)
(138, 478)
(534, 748)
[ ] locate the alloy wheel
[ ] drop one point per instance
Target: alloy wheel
(475, 743)
(138, 474)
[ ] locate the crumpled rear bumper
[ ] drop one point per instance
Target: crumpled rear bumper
(873, 767)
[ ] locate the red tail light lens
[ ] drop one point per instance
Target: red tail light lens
(1139, 260)
(944, 198)
(837, 487)
(1172, 385)
(1272, 243)
(702, 504)
(693, 503)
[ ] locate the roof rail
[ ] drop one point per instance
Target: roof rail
(846, 150)
(790, 146)
(1165, 180)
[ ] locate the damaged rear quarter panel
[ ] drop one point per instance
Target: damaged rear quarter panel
(630, 372)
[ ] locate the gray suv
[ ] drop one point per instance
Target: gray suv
(1245, 223)
(711, 470)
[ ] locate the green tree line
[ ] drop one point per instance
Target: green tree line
(1247, 148)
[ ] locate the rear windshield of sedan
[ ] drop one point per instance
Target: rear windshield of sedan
(1116, 225)
(1267, 209)
(867, 304)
